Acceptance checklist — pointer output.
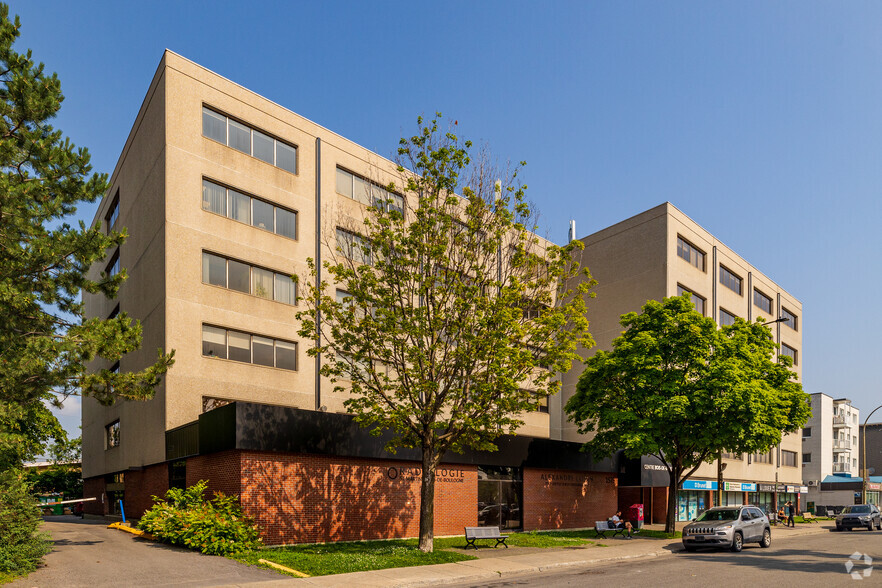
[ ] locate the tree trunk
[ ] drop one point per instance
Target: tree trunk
(673, 503)
(427, 500)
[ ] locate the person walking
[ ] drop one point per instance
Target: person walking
(791, 511)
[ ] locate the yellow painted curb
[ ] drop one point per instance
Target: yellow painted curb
(127, 529)
(273, 564)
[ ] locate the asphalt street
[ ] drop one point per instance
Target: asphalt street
(87, 553)
(814, 560)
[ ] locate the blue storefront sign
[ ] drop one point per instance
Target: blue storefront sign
(699, 485)
(745, 487)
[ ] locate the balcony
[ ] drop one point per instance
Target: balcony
(839, 421)
(842, 468)
(840, 445)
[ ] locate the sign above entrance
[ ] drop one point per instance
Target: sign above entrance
(803, 489)
(739, 487)
(699, 485)
(793, 489)
(766, 487)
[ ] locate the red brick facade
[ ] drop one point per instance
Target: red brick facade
(94, 488)
(142, 486)
(560, 499)
(316, 498)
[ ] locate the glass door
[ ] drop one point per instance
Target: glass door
(500, 493)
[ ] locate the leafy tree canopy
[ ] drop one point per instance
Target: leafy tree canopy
(677, 387)
(450, 320)
(45, 341)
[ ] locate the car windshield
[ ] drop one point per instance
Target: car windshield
(724, 514)
(860, 508)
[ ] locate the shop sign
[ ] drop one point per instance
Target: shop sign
(733, 487)
(782, 488)
(803, 489)
(748, 487)
(792, 489)
(699, 485)
(874, 486)
(766, 487)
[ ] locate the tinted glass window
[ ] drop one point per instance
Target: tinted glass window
(263, 351)
(240, 207)
(286, 157)
(263, 215)
(239, 276)
(214, 270)
(240, 346)
(240, 137)
(262, 282)
(214, 125)
(214, 197)
(263, 147)
(286, 355)
(284, 289)
(214, 342)
(286, 223)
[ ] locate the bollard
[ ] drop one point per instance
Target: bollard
(122, 511)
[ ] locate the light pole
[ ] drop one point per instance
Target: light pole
(866, 471)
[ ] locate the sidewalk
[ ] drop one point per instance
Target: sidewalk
(494, 564)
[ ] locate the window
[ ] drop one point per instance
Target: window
(354, 247)
(697, 300)
(114, 313)
(792, 320)
(762, 301)
(788, 458)
(257, 281)
(367, 192)
(806, 458)
(113, 212)
(690, 253)
(806, 431)
(111, 435)
(730, 280)
(789, 352)
(734, 456)
(726, 318)
(542, 400)
(113, 267)
(248, 348)
(250, 141)
(248, 209)
(763, 457)
(177, 474)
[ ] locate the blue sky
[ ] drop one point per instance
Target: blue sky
(760, 120)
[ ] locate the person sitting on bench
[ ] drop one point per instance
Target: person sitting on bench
(616, 519)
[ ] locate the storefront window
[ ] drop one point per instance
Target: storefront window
(500, 492)
(764, 500)
(691, 503)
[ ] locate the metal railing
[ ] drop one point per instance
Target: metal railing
(839, 421)
(841, 444)
(841, 468)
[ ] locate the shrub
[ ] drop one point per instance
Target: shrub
(21, 547)
(214, 527)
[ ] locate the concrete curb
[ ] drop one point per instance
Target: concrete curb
(492, 569)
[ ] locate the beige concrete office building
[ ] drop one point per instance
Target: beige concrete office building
(660, 253)
(225, 195)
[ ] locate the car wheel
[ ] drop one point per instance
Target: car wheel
(870, 527)
(838, 529)
(737, 542)
(767, 539)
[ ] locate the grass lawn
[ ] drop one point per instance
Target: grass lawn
(359, 556)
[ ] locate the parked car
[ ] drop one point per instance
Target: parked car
(728, 526)
(859, 515)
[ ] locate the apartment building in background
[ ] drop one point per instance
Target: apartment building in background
(225, 195)
(661, 253)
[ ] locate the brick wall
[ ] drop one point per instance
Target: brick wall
(301, 498)
(142, 485)
(94, 488)
(659, 505)
(223, 471)
(559, 499)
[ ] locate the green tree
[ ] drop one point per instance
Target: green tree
(450, 320)
(678, 388)
(65, 473)
(45, 341)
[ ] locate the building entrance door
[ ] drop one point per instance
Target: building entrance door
(500, 493)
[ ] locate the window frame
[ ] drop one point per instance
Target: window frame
(794, 356)
(681, 289)
(792, 320)
(251, 130)
(688, 246)
(111, 439)
(786, 454)
(727, 313)
(112, 216)
(252, 198)
(370, 198)
(733, 277)
(760, 293)
(251, 267)
(251, 336)
(113, 266)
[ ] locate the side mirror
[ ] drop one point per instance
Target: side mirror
(693, 520)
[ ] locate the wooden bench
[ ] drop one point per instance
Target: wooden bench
(603, 527)
(809, 517)
(473, 533)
